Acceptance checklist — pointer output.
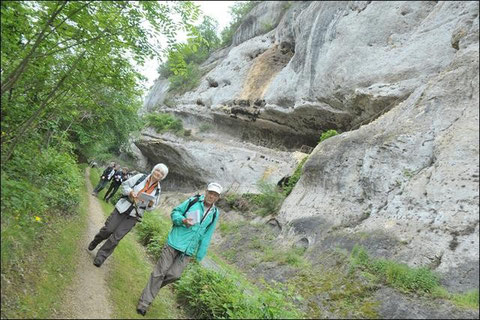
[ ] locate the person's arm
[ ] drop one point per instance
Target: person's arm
(205, 240)
(177, 213)
(105, 174)
(127, 185)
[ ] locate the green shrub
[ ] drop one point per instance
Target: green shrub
(38, 186)
(164, 122)
(245, 202)
(152, 228)
(238, 11)
(294, 178)
(208, 294)
(187, 81)
(269, 200)
(327, 134)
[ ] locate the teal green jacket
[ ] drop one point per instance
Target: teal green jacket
(195, 239)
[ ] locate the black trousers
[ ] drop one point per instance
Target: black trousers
(113, 189)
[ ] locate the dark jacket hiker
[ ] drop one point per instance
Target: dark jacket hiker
(106, 176)
(118, 178)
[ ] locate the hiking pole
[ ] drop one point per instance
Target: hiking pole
(136, 210)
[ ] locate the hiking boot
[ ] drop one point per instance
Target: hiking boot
(141, 311)
(92, 246)
(97, 263)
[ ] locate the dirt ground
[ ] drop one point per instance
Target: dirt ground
(87, 298)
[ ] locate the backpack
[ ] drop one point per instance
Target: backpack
(195, 200)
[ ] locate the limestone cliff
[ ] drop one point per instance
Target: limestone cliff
(399, 79)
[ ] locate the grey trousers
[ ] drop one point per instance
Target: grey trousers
(101, 184)
(169, 268)
(115, 228)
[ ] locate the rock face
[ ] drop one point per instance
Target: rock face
(412, 173)
(399, 79)
(195, 162)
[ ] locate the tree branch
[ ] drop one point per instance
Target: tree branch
(15, 74)
(28, 124)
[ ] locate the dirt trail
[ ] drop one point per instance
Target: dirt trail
(87, 298)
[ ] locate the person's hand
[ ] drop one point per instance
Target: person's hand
(132, 196)
(188, 222)
(103, 177)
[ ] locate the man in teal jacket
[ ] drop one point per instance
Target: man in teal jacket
(194, 222)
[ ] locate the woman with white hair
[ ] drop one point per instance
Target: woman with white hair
(140, 193)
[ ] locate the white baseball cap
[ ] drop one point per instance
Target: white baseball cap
(215, 187)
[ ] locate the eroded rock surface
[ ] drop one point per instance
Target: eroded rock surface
(399, 79)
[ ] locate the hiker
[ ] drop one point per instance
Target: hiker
(129, 210)
(118, 178)
(106, 176)
(194, 222)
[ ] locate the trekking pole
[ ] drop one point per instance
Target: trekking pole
(136, 210)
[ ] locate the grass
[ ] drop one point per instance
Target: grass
(131, 270)
(345, 288)
(343, 294)
(229, 227)
(36, 283)
(468, 299)
(396, 275)
(409, 280)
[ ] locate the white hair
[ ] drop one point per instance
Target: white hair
(163, 168)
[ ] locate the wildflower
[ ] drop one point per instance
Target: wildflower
(38, 218)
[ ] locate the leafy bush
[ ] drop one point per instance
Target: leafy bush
(238, 11)
(37, 186)
(152, 232)
(269, 200)
(209, 294)
(183, 60)
(33, 182)
(184, 82)
(245, 202)
(151, 225)
(327, 134)
(294, 178)
(164, 122)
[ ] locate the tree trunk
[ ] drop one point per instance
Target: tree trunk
(27, 126)
(17, 72)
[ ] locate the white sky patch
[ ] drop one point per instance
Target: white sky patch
(219, 10)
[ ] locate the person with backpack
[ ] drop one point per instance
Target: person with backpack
(118, 178)
(140, 193)
(194, 222)
(107, 175)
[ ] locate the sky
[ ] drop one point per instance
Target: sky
(219, 10)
